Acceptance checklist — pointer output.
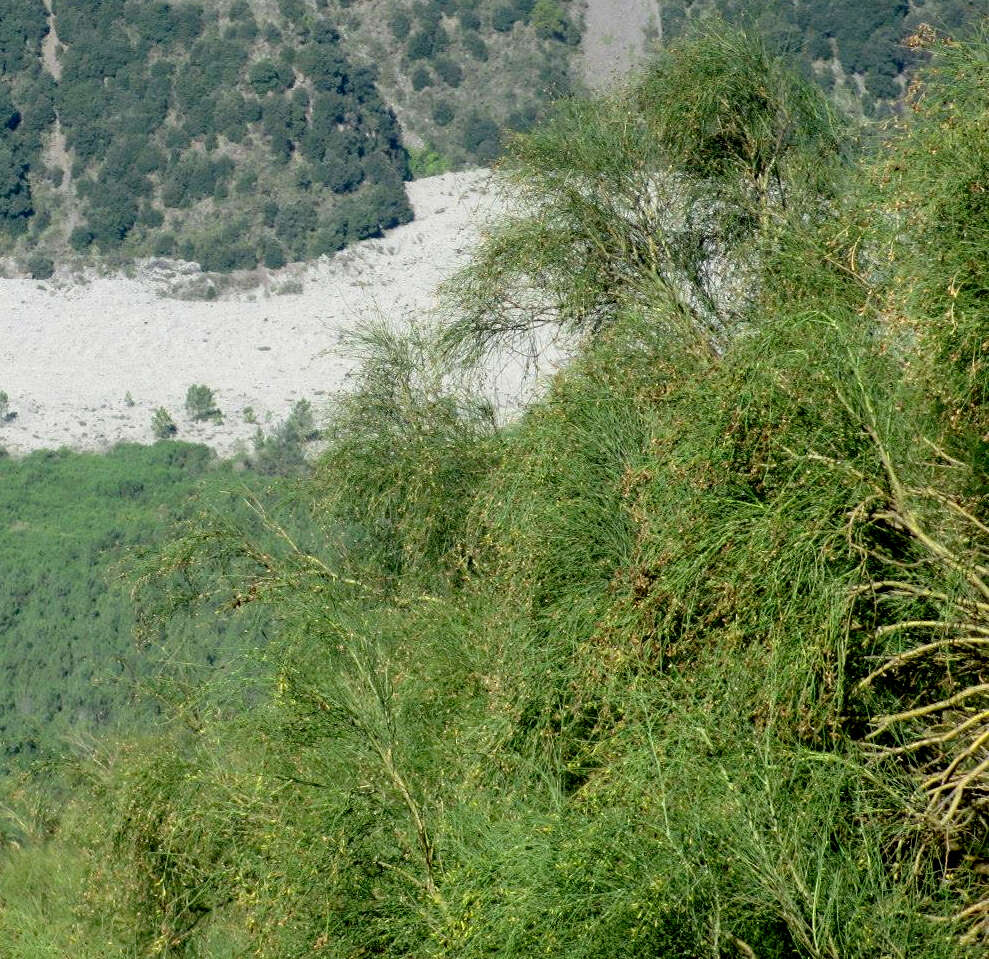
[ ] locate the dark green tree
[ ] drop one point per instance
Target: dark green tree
(267, 76)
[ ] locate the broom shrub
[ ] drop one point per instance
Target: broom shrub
(689, 660)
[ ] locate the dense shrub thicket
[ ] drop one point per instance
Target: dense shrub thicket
(23, 26)
(690, 660)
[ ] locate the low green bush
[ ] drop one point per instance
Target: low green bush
(283, 452)
(421, 78)
(267, 76)
(443, 113)
(504, 18)
(448, 71)
(474, 44)
(40, 266)
(162, 425)
(200, 404)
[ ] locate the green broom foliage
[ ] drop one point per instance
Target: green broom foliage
(664, 185)
(688, 661)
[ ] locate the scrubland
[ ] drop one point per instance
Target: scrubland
(687, 660)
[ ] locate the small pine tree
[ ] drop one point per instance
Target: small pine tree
(162, 425)
(200, 404)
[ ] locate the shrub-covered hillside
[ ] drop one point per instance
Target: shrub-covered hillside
(459, 72)
(855, 48)
(691, 660)
(233, 132)
(201, 131)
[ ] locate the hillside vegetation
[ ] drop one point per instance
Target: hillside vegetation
(239, 132)
(69, 668)
(460, 73)
(689, 661)
(172, 129)
(858, 51)
(233, 133)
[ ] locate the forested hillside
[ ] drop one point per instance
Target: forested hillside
(688, 661)
(855, 48)
(236, 132)
(69, 667)
(175, 130)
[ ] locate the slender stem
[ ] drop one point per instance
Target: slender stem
(961, 785)
(919, 651)
(952, 504)
(944, 777)
(940, 452)
(953, 733)
(886, 721)
(931, 624)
